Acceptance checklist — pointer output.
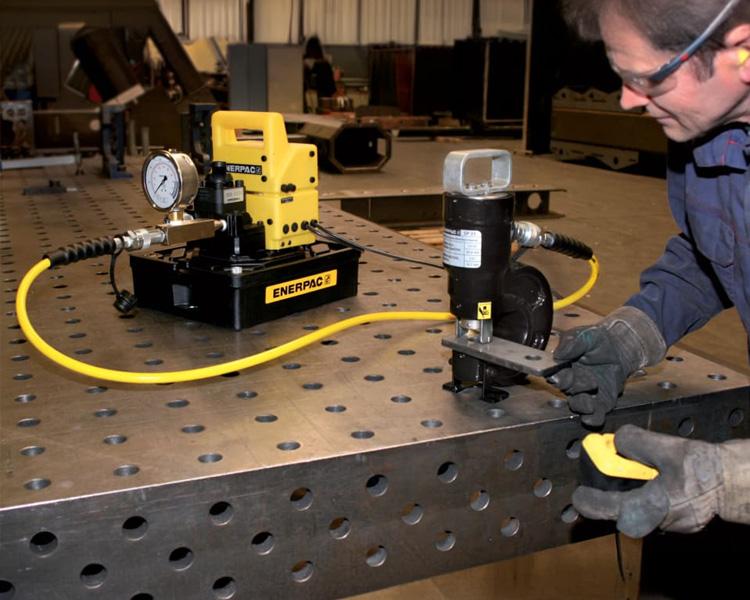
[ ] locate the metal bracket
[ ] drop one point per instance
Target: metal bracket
(505, 353)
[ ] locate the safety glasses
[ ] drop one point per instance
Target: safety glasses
(658, 82)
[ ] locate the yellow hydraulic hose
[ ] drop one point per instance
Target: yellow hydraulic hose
(584, 289)
(242, 363)
(202, 372)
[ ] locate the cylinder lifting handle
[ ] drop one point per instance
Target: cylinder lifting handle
(454, 171)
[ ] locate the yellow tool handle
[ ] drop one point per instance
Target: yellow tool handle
(225, 123)
(602, 451)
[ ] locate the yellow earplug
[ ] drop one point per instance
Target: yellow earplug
(742, 55)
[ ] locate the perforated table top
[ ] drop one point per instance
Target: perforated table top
(340, 468)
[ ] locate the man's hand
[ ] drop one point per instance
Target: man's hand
(604, 356)
(684, 497)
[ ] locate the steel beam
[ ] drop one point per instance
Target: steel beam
(345, 146)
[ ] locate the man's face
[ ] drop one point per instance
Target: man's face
(694, 105)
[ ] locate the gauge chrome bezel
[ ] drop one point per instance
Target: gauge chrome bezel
(187, 174)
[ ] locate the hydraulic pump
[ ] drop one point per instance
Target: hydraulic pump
(264, 261)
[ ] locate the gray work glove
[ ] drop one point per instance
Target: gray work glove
(696, 481)
(604, 356)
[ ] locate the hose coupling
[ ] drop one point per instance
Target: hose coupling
(530, 235)
(141, 239)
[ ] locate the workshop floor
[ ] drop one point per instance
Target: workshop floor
(626, 219)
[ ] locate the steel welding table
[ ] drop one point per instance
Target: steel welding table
(342, 468)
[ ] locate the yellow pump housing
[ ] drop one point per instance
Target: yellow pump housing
(280, 178)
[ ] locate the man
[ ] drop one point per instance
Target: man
(686, 63)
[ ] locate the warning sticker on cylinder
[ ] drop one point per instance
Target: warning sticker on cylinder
(462, 248)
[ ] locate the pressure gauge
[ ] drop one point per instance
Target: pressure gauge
(170, 180)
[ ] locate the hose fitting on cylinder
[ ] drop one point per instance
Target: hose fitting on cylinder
(530, 235)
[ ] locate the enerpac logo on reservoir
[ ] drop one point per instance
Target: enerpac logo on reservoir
(244, 169)
(303, 285)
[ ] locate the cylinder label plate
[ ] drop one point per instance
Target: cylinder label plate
(462, 248)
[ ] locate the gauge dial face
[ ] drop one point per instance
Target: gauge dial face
(162, 182)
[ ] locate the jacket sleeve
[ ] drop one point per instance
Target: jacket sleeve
(681, 292)
(735, 505)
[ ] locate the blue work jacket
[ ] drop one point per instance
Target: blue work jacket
(706, 268)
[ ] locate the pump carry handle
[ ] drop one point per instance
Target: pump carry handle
(225, 123)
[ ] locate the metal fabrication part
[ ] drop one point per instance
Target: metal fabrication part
(345, 147)
(508, 354)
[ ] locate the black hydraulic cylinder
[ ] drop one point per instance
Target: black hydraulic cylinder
(487, 288)
(476, 249)
(476, 254)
